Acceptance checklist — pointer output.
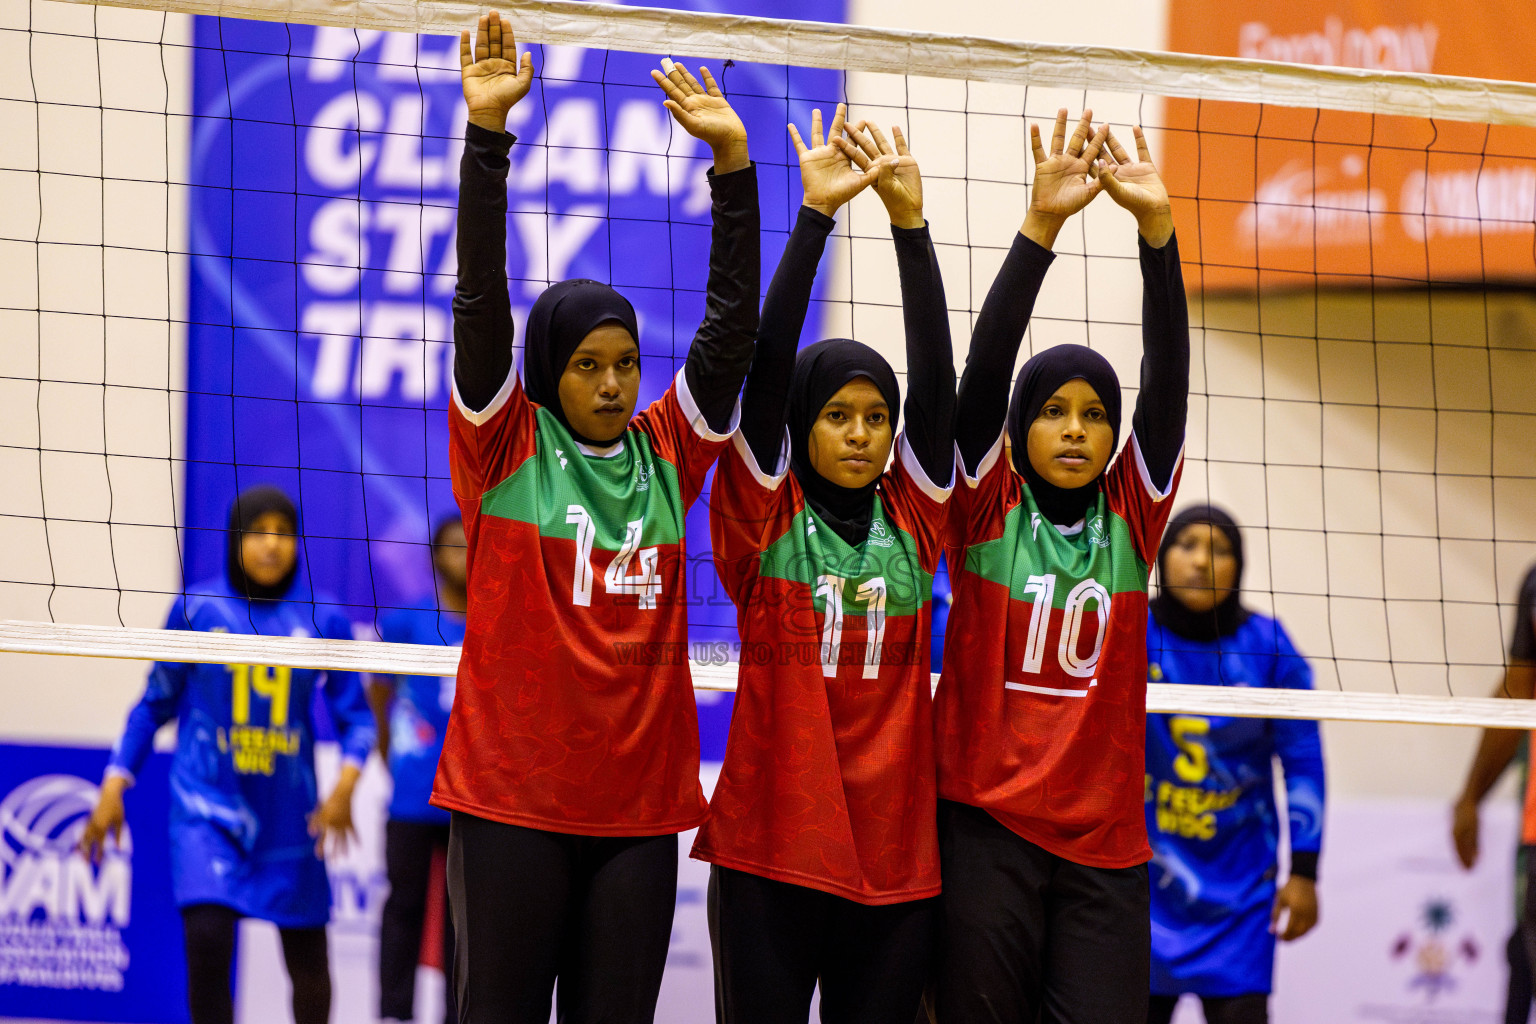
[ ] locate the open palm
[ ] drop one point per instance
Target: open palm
(1141, 188)
(1062, 186)
(700, 107)
(827, 177)
(900, 184)
(492, 82)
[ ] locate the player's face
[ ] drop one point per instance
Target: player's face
(268, 549)
(1200, 569)
(851, 439)
(451, 556)
(1070, 442)
(601, 383)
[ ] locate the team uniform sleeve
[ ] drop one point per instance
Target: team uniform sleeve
(721, 352)
(929, 411)
(979, 498)
(921, 504)
(1522, 646)
(492, 422)
(982, 408)
(162, 697)
(1134, 497)
(748, 507)
(1162, 404)
(1299, 745)
(346, 702)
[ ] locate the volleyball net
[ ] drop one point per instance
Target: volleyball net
(226, 258)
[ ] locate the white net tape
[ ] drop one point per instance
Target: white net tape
(413, 659)
(855, 48)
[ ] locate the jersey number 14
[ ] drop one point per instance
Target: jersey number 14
(616, 580)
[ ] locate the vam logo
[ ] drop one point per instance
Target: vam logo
(60, 915)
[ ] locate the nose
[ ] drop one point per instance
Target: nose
(1074, 428)
(609, 387)
(858, 432)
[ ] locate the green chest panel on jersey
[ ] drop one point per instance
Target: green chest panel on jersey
(810, 551)
(560, 490)
(1031, 547)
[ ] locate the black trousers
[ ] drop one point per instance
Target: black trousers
(1029, 937)
(530, 907)
(774, 941)
(210, 936)
(408, 849)
(1252, 1008)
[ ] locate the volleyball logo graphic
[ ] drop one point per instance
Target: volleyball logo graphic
(1433, 952)
(60, 915)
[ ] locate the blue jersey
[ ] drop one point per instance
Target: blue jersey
(1211, 816)
(243, 775)
(419, 714)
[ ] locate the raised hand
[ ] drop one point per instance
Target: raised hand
(704, 113)
(1062, 183)
(900, 184)
(1136, 185)
(826, 175)
(492, 82)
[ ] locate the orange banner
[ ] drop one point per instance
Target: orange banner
(1283, 198)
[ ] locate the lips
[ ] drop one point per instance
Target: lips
(609, 408)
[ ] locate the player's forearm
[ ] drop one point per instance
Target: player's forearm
(721, 352)
(1162, 405)
(930, 405)
(1495, 750)
(982, 406)
(482, 310)
(765, 399)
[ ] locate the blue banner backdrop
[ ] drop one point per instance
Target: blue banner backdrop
(80, 941)
(323, 182)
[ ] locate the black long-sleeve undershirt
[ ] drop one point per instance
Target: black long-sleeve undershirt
(1161, 404)
(483, 329)
(930, 401)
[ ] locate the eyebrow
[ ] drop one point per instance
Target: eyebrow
(841, 403)
(583, 351)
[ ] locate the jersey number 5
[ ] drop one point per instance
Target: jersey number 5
(1043, 588)
(616, 580)
(872, 593)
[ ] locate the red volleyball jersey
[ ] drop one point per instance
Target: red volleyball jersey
(575, 709)
(828, 779)
(1041, 706)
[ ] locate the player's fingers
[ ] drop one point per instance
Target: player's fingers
(1108, 182)
(794, 136)
(852, 152)
(676, 109)
(525, 68)
(881, 141)
(693, 83)
(817, 141)
(667, 85)
(1116, 150)
(466, 50)
(1080, 134)
(859, 136)
(1059, 136)
(1141, 144)
(709, 84)
(675, 75)
(901, 141)
(839, 118)
(495, 34)
(1095, 145)
(1034, 144)
(482, 38)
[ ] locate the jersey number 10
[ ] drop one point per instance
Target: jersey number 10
(1043, 588)
(616, 580)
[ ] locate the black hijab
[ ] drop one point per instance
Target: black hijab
(563, 315)
(251, 504)
(1038, 380)
(821, 370)
(1171, 613)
